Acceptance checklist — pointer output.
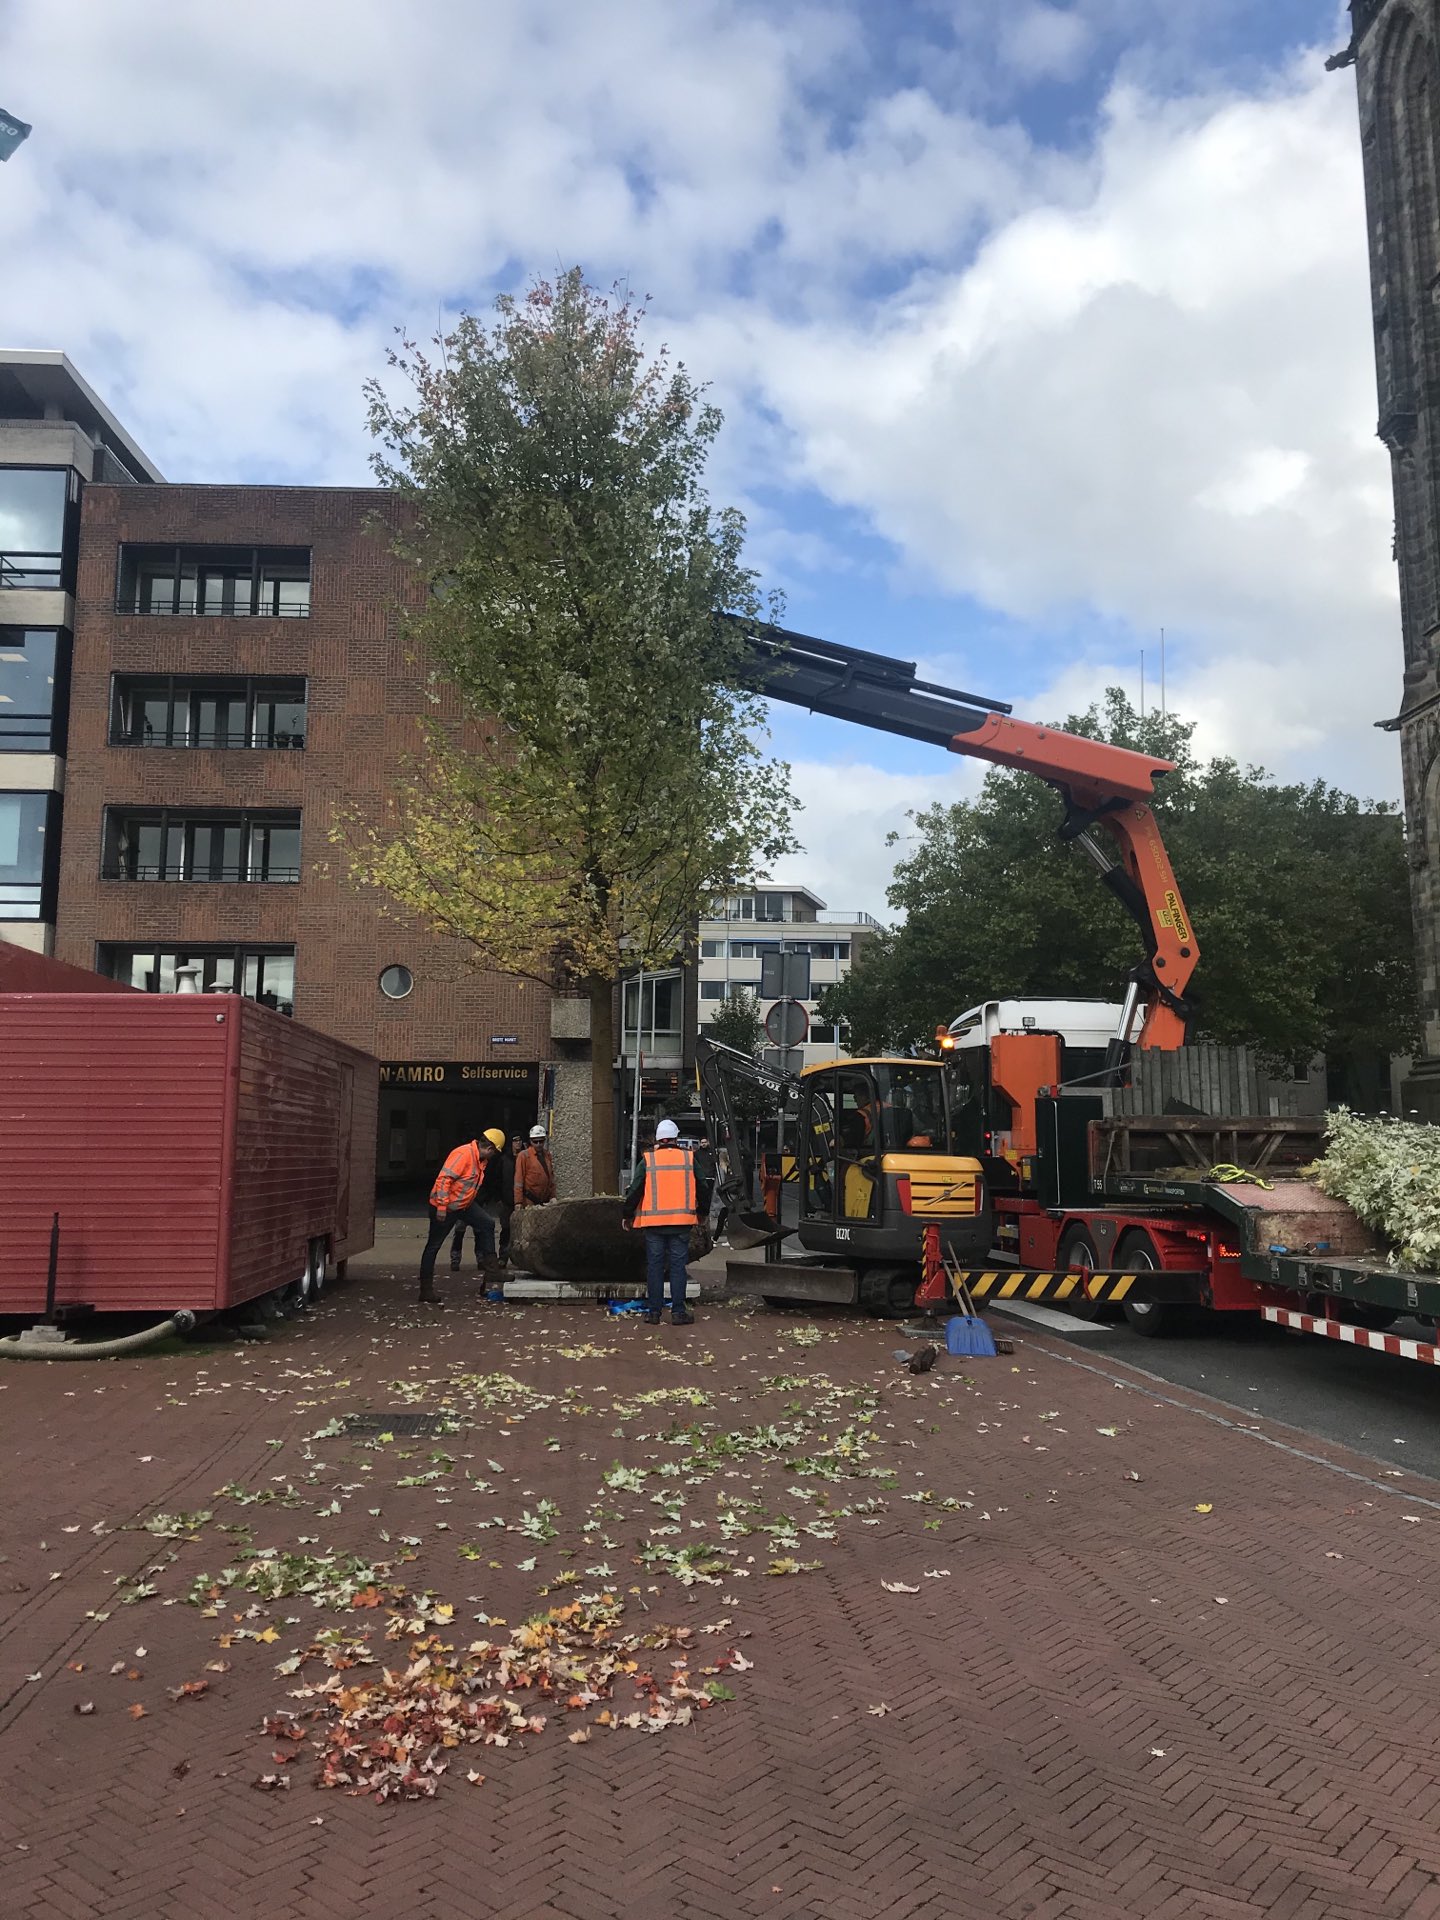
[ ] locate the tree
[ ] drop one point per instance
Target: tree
(609, 780)
(1298, 895)
(738, 1022)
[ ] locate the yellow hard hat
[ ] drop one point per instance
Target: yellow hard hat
(495, 1137)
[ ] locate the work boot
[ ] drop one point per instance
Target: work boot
(652, 1316)
(427, 1295)
(455, 1260)
(682, 1319)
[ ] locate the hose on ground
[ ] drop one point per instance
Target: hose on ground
(18, 1348)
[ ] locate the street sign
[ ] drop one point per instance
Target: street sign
(784, 976)
(12, 132)
(787, 1023)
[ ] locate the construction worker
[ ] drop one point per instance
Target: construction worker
(493, 1195)
(665, 1200)
(534, 1172)
(455, 1196)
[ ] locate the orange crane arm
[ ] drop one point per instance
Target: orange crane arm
(1102, 786)
(1111, 787)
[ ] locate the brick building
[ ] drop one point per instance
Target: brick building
(1395, 49)
(239, 678)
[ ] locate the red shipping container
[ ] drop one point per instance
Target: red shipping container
(196, 1147)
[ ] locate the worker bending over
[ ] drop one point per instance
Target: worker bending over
(665, 1200)
(467, 1188)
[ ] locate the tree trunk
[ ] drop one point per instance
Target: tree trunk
(604, 1167)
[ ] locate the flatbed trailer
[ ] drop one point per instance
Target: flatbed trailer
(1154, 1238)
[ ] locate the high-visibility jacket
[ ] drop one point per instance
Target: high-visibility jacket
(534, 1177)
(458, 1181)
(670, 1198)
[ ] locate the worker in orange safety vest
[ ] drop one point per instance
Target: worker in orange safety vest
(457, 1196)
(665, 1200)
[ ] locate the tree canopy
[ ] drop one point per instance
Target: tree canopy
(610, 780)
(1298, 895)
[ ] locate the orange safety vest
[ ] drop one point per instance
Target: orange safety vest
(458, 1181)
(669, 1199)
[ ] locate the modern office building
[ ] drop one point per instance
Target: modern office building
(241, 683)
(56, 437)
(751, 923)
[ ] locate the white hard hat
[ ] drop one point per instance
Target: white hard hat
(667, 1130)
(537, 1133)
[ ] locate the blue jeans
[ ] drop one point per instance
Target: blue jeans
(666, 1249)
(484, 1222)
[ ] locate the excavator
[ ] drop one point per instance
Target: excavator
(888, 1148)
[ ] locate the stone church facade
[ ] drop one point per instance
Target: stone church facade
(1396, 54)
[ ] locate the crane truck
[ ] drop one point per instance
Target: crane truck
(1013, 1135)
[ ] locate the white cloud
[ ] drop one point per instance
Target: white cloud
(848, 811)
(1154, 405)
(1043, 42)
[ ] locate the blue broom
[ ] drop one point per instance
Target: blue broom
(966, 1333)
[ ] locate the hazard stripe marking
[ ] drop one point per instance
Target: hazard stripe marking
(1353, 1336)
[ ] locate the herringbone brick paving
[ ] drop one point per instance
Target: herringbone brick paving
(1104, 1703)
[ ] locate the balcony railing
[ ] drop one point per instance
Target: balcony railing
(828, 917)
(26, 732)
(20, 567)
(193, 604)
(224, 875)
(229, 739)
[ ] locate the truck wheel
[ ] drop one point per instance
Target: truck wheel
(1077, 1249)
(1136, 1254)
(319, 1268)
(889, 1292)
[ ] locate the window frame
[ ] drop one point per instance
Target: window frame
(53, 738)
(180, 693)
(191, 566)
(177, 827)
(240, 956)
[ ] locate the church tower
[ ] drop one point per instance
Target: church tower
(1396, 53)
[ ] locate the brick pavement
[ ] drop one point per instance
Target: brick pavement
(1111, 1704)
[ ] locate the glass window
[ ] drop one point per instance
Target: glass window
(264, 974)
(713, 989)
(856, 1154)
(210, 713)
(712, 949)
(29, 713)
(32, 525)
(914, 1111)
(25, 841)
(215, 581)
(203, 847)
(819, 1123)
(396, 982)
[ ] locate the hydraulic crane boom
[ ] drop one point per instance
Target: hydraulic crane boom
(1102, 786)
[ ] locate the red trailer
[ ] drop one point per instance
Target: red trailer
(199, 1149)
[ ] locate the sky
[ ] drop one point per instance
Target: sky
(1038, 328)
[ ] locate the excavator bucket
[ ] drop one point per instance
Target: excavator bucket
(753, 1229)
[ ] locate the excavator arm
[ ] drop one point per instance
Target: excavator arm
(1103, 787)
(722, 1070)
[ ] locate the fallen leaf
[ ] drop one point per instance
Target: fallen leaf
(270, 1782)
(217, 1666)
(580, 1735)
(1330, 1555)
(475, 1779)
(1158, 1753)
(938, 1573)
(181, 1769)
(882, 1708)
(137, 1712)
(898, 1586)
(1205, 1507)
(189, 1689)
(1132, 1475)
(84, 1706)
(1411, 1519)
(1221, 1601)
(1110, 1433)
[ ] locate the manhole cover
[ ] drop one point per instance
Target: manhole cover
(410, 1424)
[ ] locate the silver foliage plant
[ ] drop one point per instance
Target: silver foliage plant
(1389, 1171)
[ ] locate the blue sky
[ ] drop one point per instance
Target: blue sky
(1037, 327)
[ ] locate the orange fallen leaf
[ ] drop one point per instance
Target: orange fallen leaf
(137, 1712)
